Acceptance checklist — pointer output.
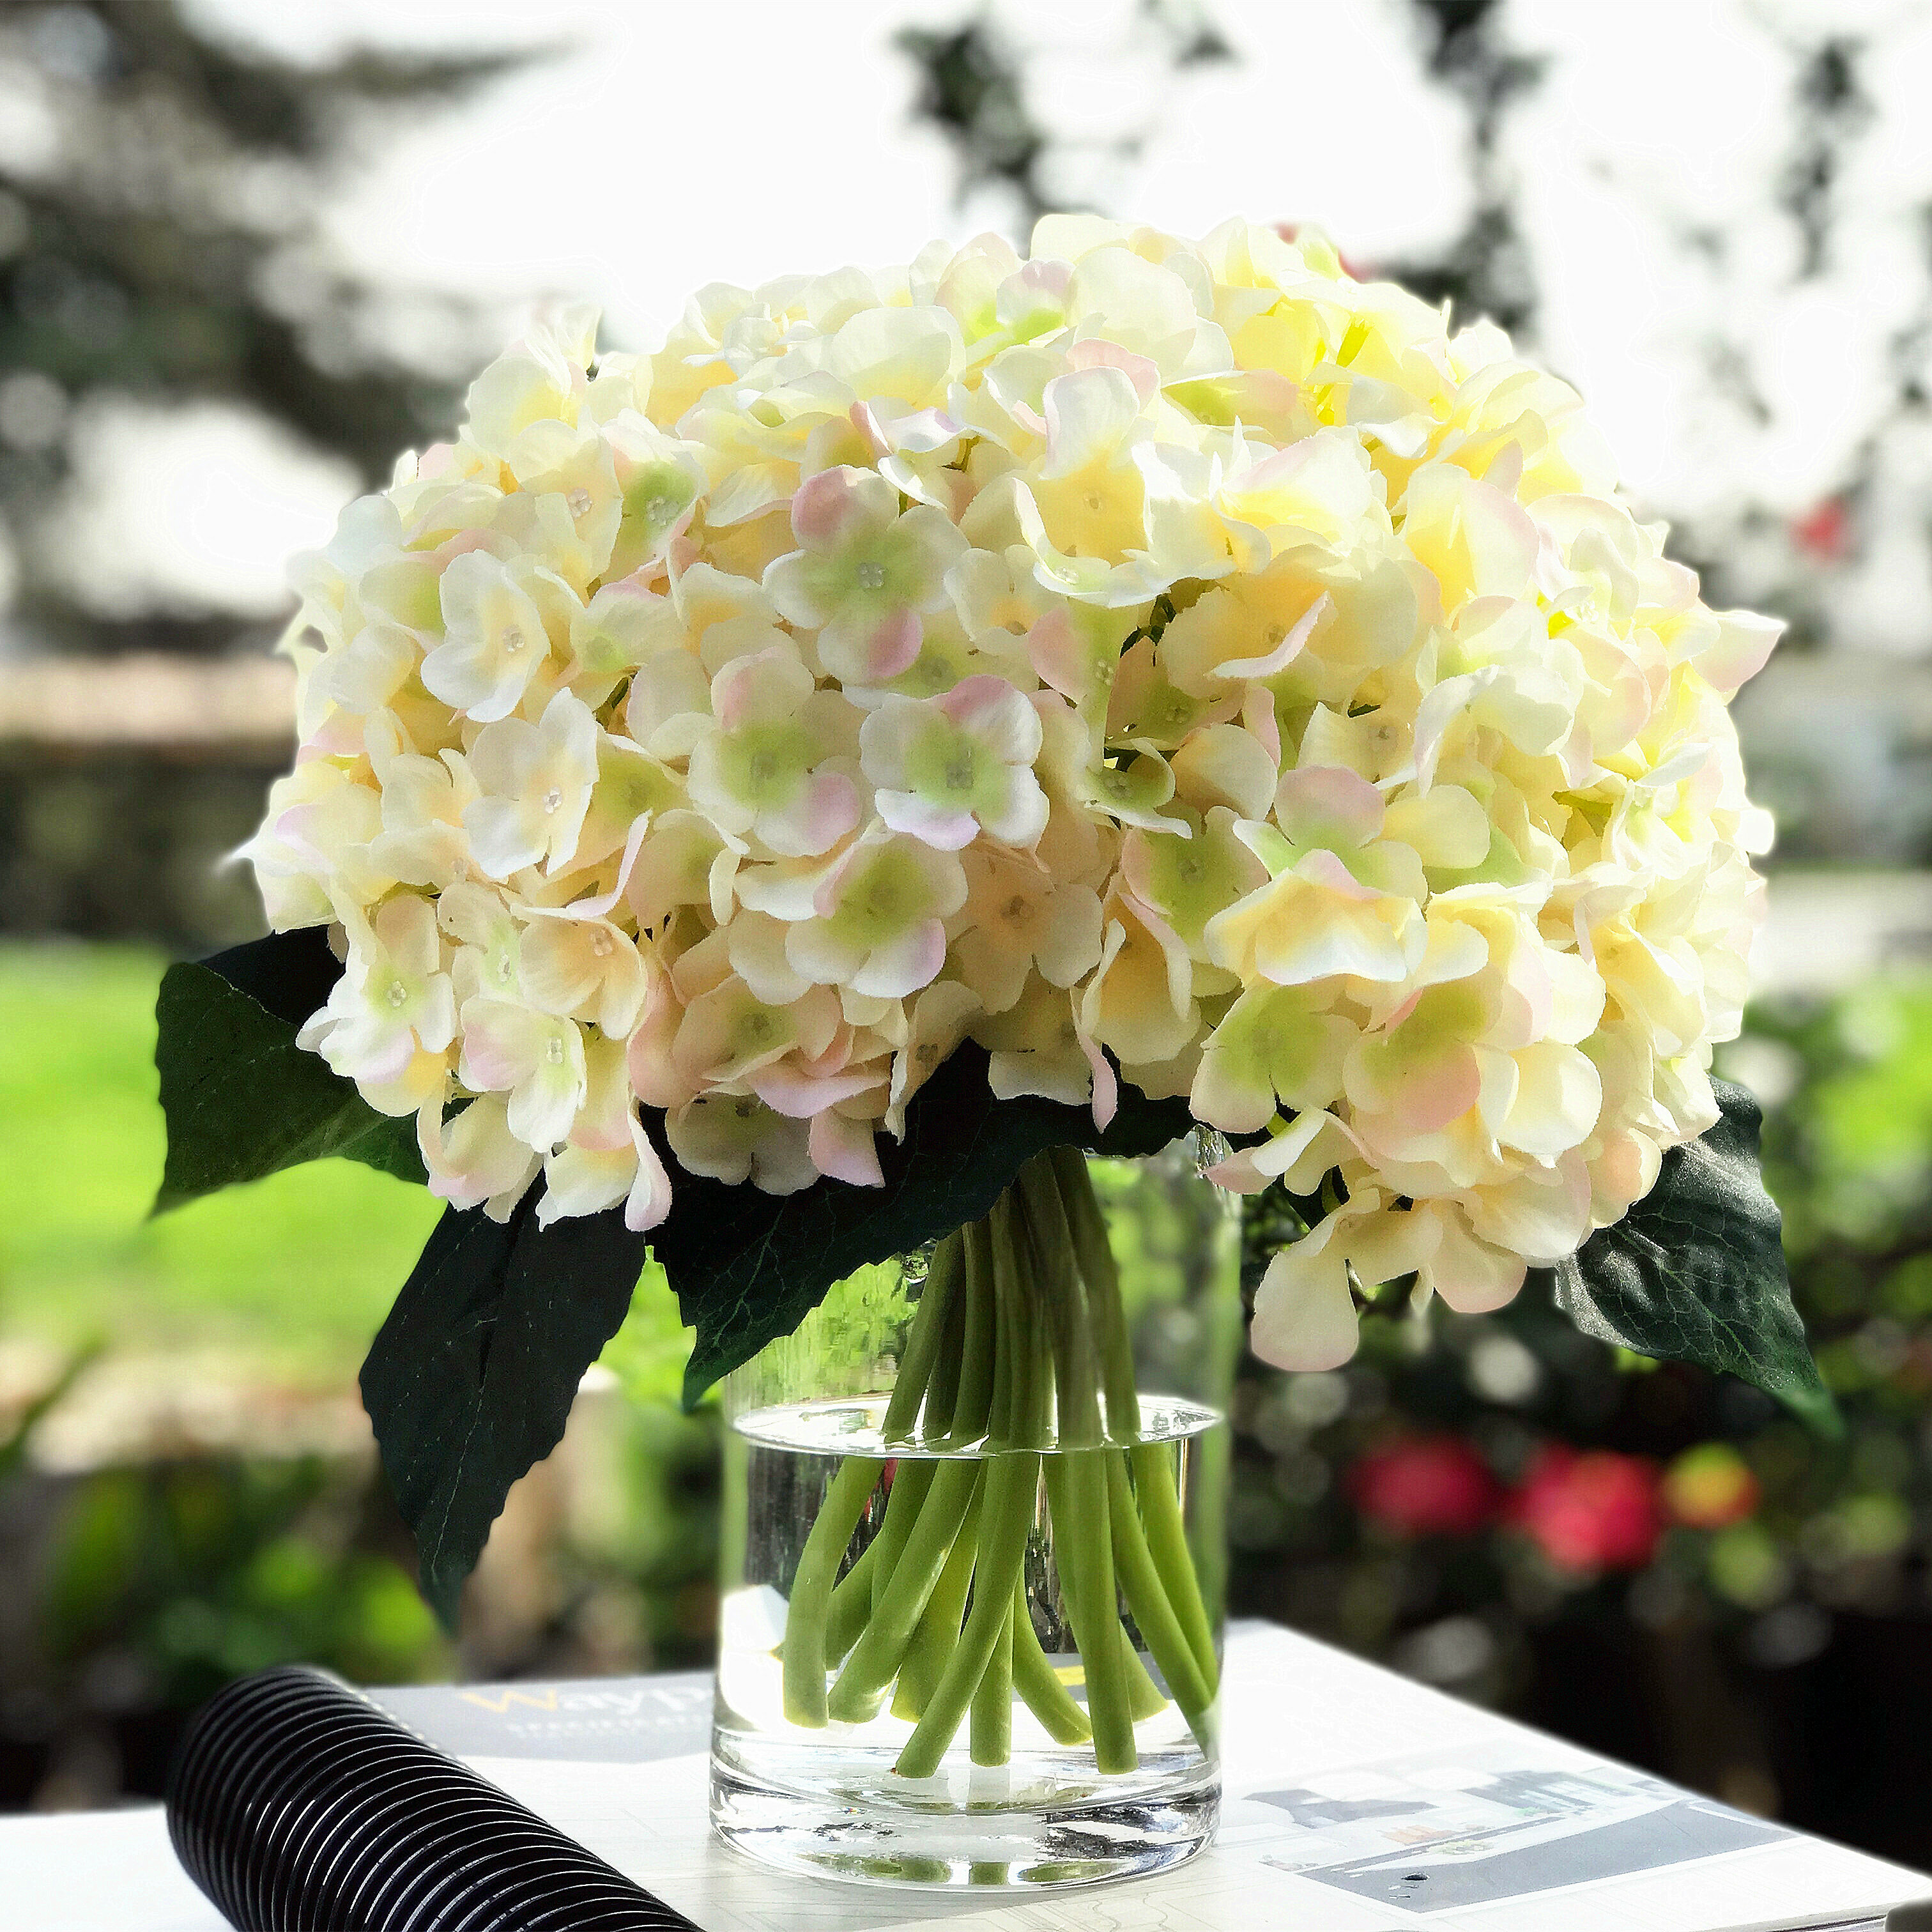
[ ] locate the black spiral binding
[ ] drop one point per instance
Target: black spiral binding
(299, 1806)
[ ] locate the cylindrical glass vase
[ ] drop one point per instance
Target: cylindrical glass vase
(971, 1597)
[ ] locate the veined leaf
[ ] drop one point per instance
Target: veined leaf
(471, 1378)
(1696, 1271)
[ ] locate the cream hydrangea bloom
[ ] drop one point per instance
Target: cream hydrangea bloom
(1166, 660)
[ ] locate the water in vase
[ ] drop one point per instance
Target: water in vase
(1009, 1793)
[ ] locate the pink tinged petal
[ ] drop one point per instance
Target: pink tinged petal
(1238, 1173)
(920, 431)
(733, 691)
(1327, 869)
(945, 830)
(648, 1202)
(823, 813)
(1744, 641)
(830, 889)
(1059, 657)
(1472, 1276)
(1325, 803)
(845, 1149)
(1431, 1093)
(1090, 413)
(1106, 1083)
(1096, 352)
(1257, 715)
(653, 1073)
(1305, 1316)
(998, 715)
(899, 968)
(893, 645)
(828, 506)
(1284, 653)
(800, 1094)
(473, 1158)
(371, 1054)
(497, 1048)
(865, 419)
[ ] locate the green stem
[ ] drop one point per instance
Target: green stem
(910, 1481)
(1093, 1254)
(851, 1604)
(1077, 1492)
(942, 1388)
(1061, 1292)
(1157, 1504)
(1148, 1598)
(992, 1732)
(1035, 1678)
(1144, 1697)
(938, 1628)
(980, 1351)
(929, 1324)
(861, 1686)
(804, 1661)
(1005, 1521)
(1021, 1329)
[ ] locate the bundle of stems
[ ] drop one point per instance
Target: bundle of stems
(1018, 1374)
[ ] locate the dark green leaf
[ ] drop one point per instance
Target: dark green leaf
(748, 1267)
(471, 1378)
(242, 1100)
(1696, 1271)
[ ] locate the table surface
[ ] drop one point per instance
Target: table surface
(114, 1871)
(97, 1871)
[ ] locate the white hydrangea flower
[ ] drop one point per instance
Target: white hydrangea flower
(1145, 658)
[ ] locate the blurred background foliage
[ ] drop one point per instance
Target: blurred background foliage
(1656, 1561)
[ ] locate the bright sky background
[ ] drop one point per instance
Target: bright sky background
(664, 146)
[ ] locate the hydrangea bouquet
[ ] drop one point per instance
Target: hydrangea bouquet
(766, 801)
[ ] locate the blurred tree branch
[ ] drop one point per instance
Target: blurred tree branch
(160, 242)
(973, 90)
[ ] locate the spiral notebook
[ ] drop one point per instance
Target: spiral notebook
(1357, 1802)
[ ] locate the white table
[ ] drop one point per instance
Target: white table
(97, 1871)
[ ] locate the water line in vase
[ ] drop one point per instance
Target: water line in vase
(1018, 1370)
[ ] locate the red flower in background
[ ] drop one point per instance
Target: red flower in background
(1425, 1486)
(1595, 1510)
(1824, 532)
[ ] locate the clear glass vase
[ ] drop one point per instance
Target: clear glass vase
(972, 1574)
